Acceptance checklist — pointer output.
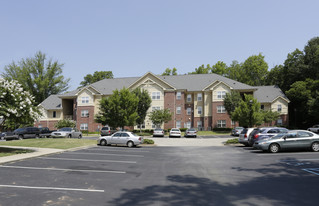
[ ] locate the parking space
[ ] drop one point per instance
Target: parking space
(76, 174)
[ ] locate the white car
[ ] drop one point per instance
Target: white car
(314, 128)
(175, 132)
(67, 132)
(243, 136)
(121, 138)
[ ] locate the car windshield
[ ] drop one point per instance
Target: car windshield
(66, 129)
(175, 130)
(158, 130)
(19, 130)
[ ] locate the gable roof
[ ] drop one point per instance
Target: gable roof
(268, 94)
(52, 102)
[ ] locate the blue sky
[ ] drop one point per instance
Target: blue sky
(132, 37)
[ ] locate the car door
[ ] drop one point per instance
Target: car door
(304, 139)
(124, 138)
(115, 139)
(289, 141)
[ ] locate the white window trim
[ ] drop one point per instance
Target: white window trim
(178, 95)
(189, 98)
(85, 100)
(221, 94)
(199, 110)
(221, 123)
(189, 111)
(221, 109)
(199, 97)
(84, 126)
(84, 113)
(178, 110)
(156, 95)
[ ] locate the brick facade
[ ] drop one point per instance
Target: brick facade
(92, 125)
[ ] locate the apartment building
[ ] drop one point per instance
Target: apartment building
(195, 100)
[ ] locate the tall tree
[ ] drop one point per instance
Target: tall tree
(231, 102)
(248, 112)
(39, 76)
(144, 103)
(311, 56)
(169, 72)
(159, 116)
(202, 69)
(220, 68)
(97, 76)
(255, 71)
(118, 110)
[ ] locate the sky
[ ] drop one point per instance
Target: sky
(133, 37)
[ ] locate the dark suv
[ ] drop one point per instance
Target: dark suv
(26, 132)
(106, 131)
(263, 133)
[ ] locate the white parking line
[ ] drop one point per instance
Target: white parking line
(314, 171)
(117, 149)
(66, 170)
(119, 155)
(52, 188)
(87, 160)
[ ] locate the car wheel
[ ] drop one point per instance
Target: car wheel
(103, 142)
(37, 136)
(130, 144)
(315, 146)
(80, 136)
(20, 137)
(69, 136)
(274, 148)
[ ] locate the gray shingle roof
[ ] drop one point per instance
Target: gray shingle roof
(107, 86)
(267, 94)
(198, 82)
(52, 102)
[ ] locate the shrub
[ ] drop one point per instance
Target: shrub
(222, 129)
(148, 141)
(232, 141)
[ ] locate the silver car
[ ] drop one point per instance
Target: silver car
(295, 139)
(121, 138)
(158, 132)
(67, 132)
(243, 136)
(314, 128)
(190, 133)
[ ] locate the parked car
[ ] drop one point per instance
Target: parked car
(190, 133)
(106, 131)
(264, 133)
(6, 135)
(175, 132)
(121, 138)
(45, 132)
(236, 131)
(67, 132)
(158, 132)
(26, 132)
(243, 136)
(295, 139)
(314, 128)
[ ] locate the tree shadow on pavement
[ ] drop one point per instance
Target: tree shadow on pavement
(275, 184)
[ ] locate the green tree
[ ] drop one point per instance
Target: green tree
(39, 76)
(119, 109)
(311, 58)
(231, 101)
(97, 76)
(16, 105)
(65, 123)
(248, 112)
(169, 72)
(270, 116)
(158, 117)
(202, 69)
(220, 68)
(144, 103)
(254, 71)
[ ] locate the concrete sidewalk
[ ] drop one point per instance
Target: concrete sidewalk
(37, 152)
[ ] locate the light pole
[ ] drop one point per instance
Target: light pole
(250, 113)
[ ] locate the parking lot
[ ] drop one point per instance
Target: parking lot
(162, 175)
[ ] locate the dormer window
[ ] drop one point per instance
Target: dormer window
(85, 100)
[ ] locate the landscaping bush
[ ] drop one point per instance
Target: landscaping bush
(222, 129)
(232, 141)
(148, 141)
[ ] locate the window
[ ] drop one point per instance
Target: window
(188, 125)
(179, 95)
(221, 109)
(178, 124)
(199, 110)
(156, 108)
(142, 126)
(221, 94)
(199, 97)
(156, 95)
(262, 107)
(189, 111)
(84, 126)
(178, 110)
(221, 123)
(85, 100)
(54, 114)
(279, 121)
(189, 98)
(233, 123)
(279, 108)
(85, 113)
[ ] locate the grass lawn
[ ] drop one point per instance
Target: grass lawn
(58, 143)
(12, 151)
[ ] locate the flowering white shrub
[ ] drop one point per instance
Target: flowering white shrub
(16, 105)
